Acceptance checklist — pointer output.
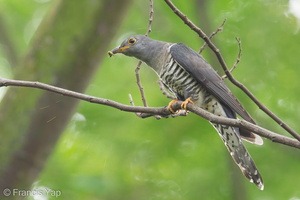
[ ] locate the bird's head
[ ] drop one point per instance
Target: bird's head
(136, 46)
(143, 48)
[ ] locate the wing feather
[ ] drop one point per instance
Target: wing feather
(201, 70)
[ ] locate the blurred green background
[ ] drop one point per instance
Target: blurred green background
(108, 154)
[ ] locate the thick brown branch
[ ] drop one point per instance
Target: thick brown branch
(162, 111)
(227, 72)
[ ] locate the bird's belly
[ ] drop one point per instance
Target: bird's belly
(183, 85)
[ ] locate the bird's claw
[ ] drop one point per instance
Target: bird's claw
(170, 106)
(184, 104)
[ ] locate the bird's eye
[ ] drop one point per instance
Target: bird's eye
(131, 41)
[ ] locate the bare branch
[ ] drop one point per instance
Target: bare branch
(228, 74)
(150, 18)
(220, 28)
(138, 67)
(132, 103)
(144, 115)
(139, 83)
(238, 58)
(162, 111)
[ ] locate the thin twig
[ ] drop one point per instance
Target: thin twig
(145, 115)
(238, 58)
(138, 67)
(150, 18)
(220, 28)
(229, 75)
(139, 83)
(164, 91)
(131, 100)
(162, 111)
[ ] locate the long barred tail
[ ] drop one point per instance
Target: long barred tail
(239, 153)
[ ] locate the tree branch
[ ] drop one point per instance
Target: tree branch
(238, 58)
(139, 83)
(220, 28)
(227, 72)
(138, 67)
(162, 111)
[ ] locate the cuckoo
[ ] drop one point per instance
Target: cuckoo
(191, 78)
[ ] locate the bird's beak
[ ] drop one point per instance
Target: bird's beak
(117, 50)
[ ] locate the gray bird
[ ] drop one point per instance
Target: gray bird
(185, 73)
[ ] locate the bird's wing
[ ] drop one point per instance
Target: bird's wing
(195, 64)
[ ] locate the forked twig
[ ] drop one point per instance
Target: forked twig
(144, 115)
(220, 28)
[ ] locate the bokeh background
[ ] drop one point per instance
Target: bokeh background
(104, 153)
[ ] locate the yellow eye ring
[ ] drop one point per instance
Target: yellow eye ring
(131, 41)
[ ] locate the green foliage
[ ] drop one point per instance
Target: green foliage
(109, 154)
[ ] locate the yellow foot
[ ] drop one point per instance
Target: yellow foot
(184, 104)
(170, 105)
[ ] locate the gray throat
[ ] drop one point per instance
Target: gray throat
(157, 55)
